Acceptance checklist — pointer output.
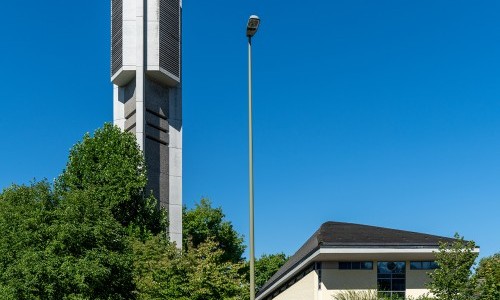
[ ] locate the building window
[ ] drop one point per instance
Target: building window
(423, 265)
(391, 279)
(356, 265)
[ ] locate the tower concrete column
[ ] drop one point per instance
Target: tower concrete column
(147, 97)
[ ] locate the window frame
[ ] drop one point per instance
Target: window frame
(420, 265)
(349, 265)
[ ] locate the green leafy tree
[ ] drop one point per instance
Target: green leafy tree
(71, 248)
(209, 267)
(487, 277)
(205, 222)
(212, 276)
(24, 214)
(201, 273)
(159, 269)
(452, 280)
(111, 165)
(266, 266)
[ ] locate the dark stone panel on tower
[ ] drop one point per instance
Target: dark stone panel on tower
(170, 36)
(116, 35)
(156, 134)
(157, 167)
(157, 158)
(156, 99)
(157, 139)
(156, 112)
(156, 122)
(156, 186)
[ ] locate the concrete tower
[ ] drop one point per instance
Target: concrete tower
(147, 101)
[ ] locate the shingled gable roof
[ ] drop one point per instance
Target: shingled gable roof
(348, 235)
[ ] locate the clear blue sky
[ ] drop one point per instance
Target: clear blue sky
(376, 112)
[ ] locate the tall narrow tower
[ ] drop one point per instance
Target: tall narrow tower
(147, 98)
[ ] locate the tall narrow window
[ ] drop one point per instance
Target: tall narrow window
(391, 279)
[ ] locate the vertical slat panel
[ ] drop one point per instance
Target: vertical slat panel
(116, 35)
(170, 33)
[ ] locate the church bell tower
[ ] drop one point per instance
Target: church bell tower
(147, 94)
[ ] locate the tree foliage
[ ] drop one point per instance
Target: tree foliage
(212, 276)
(159, 271)
(111, 165)
(72, 243)
(65, 249)
(487, 278)
(452, 280)
(205, 270)
(266, 266)
(205, 222)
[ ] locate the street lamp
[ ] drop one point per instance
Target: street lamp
(252, 26)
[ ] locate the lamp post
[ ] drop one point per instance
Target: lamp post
(252, 26)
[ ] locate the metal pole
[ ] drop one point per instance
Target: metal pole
(250, 170)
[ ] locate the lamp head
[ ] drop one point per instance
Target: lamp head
(252, 25)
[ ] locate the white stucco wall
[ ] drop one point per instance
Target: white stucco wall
(335, 281)
(416, 281)
(304, 289)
